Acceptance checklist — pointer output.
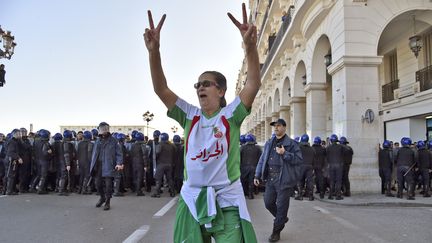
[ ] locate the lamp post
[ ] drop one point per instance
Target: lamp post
(8, 44)
(174, 129)
(148, 117)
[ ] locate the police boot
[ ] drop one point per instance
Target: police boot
(300, 193)
(382, 188)
(427, 191)
(62, 185)
(10, 187)
(388, 191)
(251, 192)
(33, 185)
(41, 186)
(410, 193)
(275, 236)
(100, 202)
(107, 204)
(339, 196)
(331, 193)
(85, 189)
(117, 192)
(157, 189)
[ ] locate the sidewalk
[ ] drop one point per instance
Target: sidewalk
(377, 199)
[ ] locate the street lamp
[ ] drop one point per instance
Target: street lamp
(8, 44)
(415, 42)
(174, 129)
(148, 116)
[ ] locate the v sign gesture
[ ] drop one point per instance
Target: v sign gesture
(152, 35)
(247, 30)
(253, 81)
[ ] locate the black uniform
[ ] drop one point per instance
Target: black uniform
(151, 171)
(306, 176)
(43, 158)
(25, 152)
(140, 160)
(178, 169)
(347, 158)
(119, 176)
(2, 163)
(385, 163)
(335, 160)
(12, 157)
(424, 162)
(319, 163)
(249, 156)
(84, 152)
(405, 161)
(164, 166)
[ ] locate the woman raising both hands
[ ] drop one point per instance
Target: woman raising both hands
(211, 201)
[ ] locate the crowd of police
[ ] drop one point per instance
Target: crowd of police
(326, 166)
(41, 163)
(407, 167)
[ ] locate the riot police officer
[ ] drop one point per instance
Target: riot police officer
(25, 167)
(164, 166)
(319, 164)
(249, 156)
(154, 150)
(13, 161)
(2, 159)
(347, 159)
(84, 151)
(335, 160)
(69, 170)
(424, 162)
(178, 169)
(43, 159)
(405, 161)
(119, 175)
(306, 176)
(140, 162)
(385, 162)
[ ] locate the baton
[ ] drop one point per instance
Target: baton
(409, 169)
(89, 181)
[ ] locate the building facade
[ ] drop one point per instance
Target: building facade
(355, 68)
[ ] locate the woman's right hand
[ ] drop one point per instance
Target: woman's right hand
(152, 34)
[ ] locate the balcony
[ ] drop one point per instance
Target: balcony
(424, 77)
(388, 91)
(276, 42)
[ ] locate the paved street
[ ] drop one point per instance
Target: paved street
(51, 218)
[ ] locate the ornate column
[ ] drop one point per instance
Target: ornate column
(316, 109)
(298, 116)
(268, 128)
(284, 113)
(355, 85)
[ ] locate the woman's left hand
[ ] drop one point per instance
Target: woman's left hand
(247, 30)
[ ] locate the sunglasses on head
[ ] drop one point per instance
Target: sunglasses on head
(205, 83)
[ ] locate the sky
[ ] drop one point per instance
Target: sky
(82, 62)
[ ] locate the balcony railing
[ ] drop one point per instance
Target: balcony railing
(278, 40)
(388, 90)
(424, 77)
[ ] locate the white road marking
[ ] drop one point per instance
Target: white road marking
(165, 209)
(3, 196)
(349, 225)
(137, 235)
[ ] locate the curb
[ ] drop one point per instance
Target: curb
(368, 204)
